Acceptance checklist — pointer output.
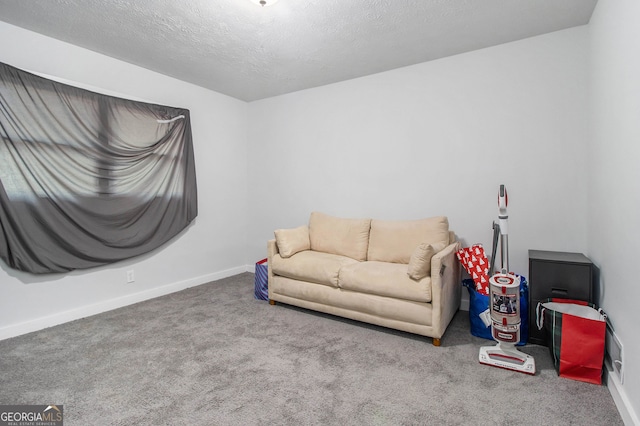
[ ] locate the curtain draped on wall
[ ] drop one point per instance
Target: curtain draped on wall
(88, 179)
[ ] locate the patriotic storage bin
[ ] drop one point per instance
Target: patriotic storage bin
(261, 291)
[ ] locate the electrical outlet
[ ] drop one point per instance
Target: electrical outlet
(614, 353)
(130, 277)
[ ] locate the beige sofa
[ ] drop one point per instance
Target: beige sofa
(397, 274)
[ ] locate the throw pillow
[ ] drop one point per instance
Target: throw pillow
(420, 262)
(292, 241)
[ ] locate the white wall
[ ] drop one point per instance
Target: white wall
(211, 248)
(436, 138)
(614, 171)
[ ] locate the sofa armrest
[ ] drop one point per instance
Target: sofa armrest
(445, 287)
(272, 250)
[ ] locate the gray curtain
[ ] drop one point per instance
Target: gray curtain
(88, 179)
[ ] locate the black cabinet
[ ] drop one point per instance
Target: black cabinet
(557, 274)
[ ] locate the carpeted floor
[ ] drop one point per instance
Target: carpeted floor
(213, 355)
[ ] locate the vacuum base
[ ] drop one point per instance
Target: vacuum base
(507, 357)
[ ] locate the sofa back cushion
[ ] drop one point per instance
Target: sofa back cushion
(346, 237)
(395, 241)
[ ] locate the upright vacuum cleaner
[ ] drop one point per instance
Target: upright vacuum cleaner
(504, 304)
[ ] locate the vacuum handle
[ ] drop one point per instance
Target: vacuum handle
(503, 201)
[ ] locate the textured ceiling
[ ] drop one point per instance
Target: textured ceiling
(243, 50)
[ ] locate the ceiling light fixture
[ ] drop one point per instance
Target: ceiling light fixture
(264, 2)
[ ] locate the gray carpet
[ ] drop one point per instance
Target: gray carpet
(213, 355)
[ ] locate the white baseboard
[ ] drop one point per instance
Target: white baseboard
(108, 305)
(628, 414)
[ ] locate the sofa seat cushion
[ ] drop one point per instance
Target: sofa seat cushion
(312, 266)
(384, 279)
(395, 241)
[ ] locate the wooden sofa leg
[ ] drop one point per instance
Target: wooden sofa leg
(272, 302)
(436, 342)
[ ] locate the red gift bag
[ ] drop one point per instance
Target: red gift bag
(576, 332)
